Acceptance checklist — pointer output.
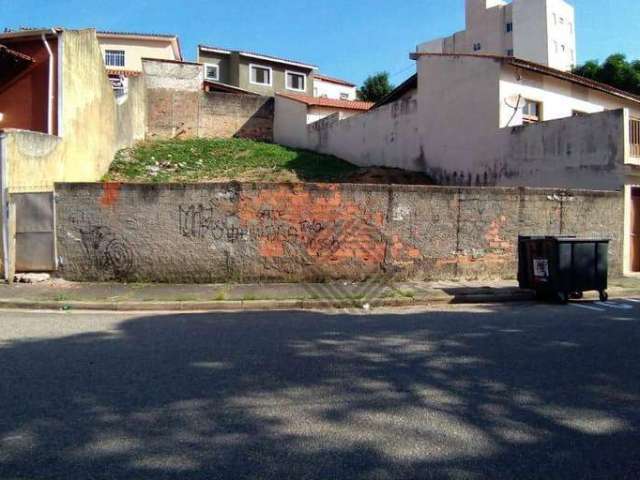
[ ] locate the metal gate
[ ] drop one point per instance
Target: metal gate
(35, 232)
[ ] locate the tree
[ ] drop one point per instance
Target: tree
(375, 88)
(615, 71)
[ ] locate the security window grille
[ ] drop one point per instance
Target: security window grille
(260, 75)
(344, 96)
(531, 112)
(114, 58)
(477, 47)
(296, 81)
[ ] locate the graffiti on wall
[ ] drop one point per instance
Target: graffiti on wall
(291, 231)
(106, 251)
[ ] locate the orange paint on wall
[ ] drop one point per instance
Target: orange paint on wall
(110, 194)
(329, 229)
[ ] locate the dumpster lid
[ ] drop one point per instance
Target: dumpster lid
(579, 239)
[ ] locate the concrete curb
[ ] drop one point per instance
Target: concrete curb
(311, 304)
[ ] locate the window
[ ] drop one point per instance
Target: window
(561, 20)
(509, 27)
(114, 58)
(578, 113)
(555, 19)
(570, 27)
(344, 96)
(531, 112)
(259, 75)
(120, 84)
(296, 81)
(211, 72)
(477, 47)
(510, 52)
(555, 46)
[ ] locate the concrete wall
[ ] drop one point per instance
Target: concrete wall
(290, 123)
(284, 232)
(91, 133)
(177, 106)
(292, 117)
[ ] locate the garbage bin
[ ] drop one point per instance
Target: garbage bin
(563, 267)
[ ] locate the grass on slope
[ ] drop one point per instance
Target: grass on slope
(200, 160)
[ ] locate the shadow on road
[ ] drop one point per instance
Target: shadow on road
(493, 394)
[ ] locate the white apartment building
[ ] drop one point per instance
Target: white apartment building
(542, 31)
(333, 88)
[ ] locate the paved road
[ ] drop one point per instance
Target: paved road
(513, 392)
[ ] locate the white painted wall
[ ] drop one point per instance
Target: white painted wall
(318, 113)
(559, 98)
(325, 89)
(451, 129)
(292, 117)
(290, 123)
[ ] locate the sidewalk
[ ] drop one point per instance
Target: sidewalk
(59, 294)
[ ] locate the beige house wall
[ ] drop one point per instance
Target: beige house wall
(135, 50)
(90, 120)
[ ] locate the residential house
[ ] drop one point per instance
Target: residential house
(542, 31)
(478, 120)
(294, 112)
(254, 72)
(335, 88)
(29, 97)
(59, 122)
(123, 53)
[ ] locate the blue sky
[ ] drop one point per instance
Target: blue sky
(346, 38)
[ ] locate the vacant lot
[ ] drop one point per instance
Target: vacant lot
(206, 160)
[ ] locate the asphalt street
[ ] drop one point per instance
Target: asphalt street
(522, 391)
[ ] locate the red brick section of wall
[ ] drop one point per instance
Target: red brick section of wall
(186, 114)
(273, 232)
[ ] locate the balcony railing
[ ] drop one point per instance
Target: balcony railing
(634, 130)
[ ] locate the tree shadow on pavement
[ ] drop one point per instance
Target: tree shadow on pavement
(513, 393)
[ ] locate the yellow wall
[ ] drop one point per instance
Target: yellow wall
(91, 132)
